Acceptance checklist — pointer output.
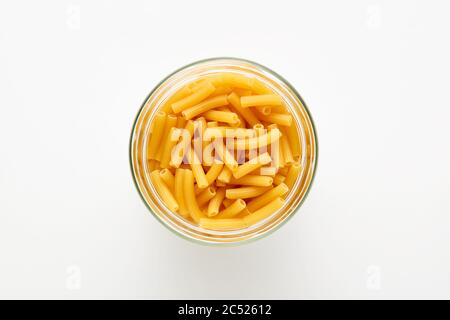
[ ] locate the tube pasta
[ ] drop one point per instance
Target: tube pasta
(264, 212)
(267, 197)
(292, 175)
(204, 106)
(164, 191)
(223, 151)
(222, 224)
(206, 195)
(221, 116)
(253, 180)
(246, 113)
(189, 197)
(252, 165)
(278, 118)
(215, 202)
(168, 178)
(261, 100)
(199, 95)
(157, 133)
(171, 121)
(179, 194)
(233, 210)
(245, 192)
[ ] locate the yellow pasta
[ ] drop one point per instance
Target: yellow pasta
(267, 197)
(181, 122)
(278, 179)
(225, 175)
(223, 151)
(278, 118)
(292, 175)
(233, 210)
(180, 94)
(197, 170)
(260, 141)
(286, 150)
(164, 191)
(261, 100)
(171, 121)
(264, 212)
(179, 192)
(171, 141)
(215, 202)
(245, 192)
(222, 224)
(157, 134)
(252, 165)
(189, 197)
(204, 106)
(199, 95)
(246, 113)
(294, 141)
(264, 110)
(205, 196)
(221, 116)
(168, 178)
(253, 180)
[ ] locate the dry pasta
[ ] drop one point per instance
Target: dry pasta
(224, 152)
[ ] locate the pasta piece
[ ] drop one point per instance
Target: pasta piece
(221, 116)
(278, 118)
(199, 95)
(294, 141)
(286, 150)
(225, 175)
(264, 110)
(205, 196)
(157, 133)
(153, 165)
(168, 178)
(197, 170)
(225, 155)
(260, 141)
(267, 197)
(278, 179)
(183, 146)
(171, 141)
(181, 122)
(212, 124)
(253, 180)
(227, 202)
(215, 202)
(164, 191)
(171, 121)
(246, 113)
(182, 93)
(222, 224)
(292, 175)
(204, 106)
(179, 194)
(189, 197)
(245, 192)
(252, 165)
(261, 100)
(232, 210)
(264, 212)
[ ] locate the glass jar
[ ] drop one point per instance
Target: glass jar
(170, 85)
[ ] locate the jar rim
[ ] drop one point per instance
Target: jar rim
(283, 219)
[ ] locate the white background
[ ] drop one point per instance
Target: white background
(375, 75)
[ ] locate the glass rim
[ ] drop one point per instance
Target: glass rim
(266, 232)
